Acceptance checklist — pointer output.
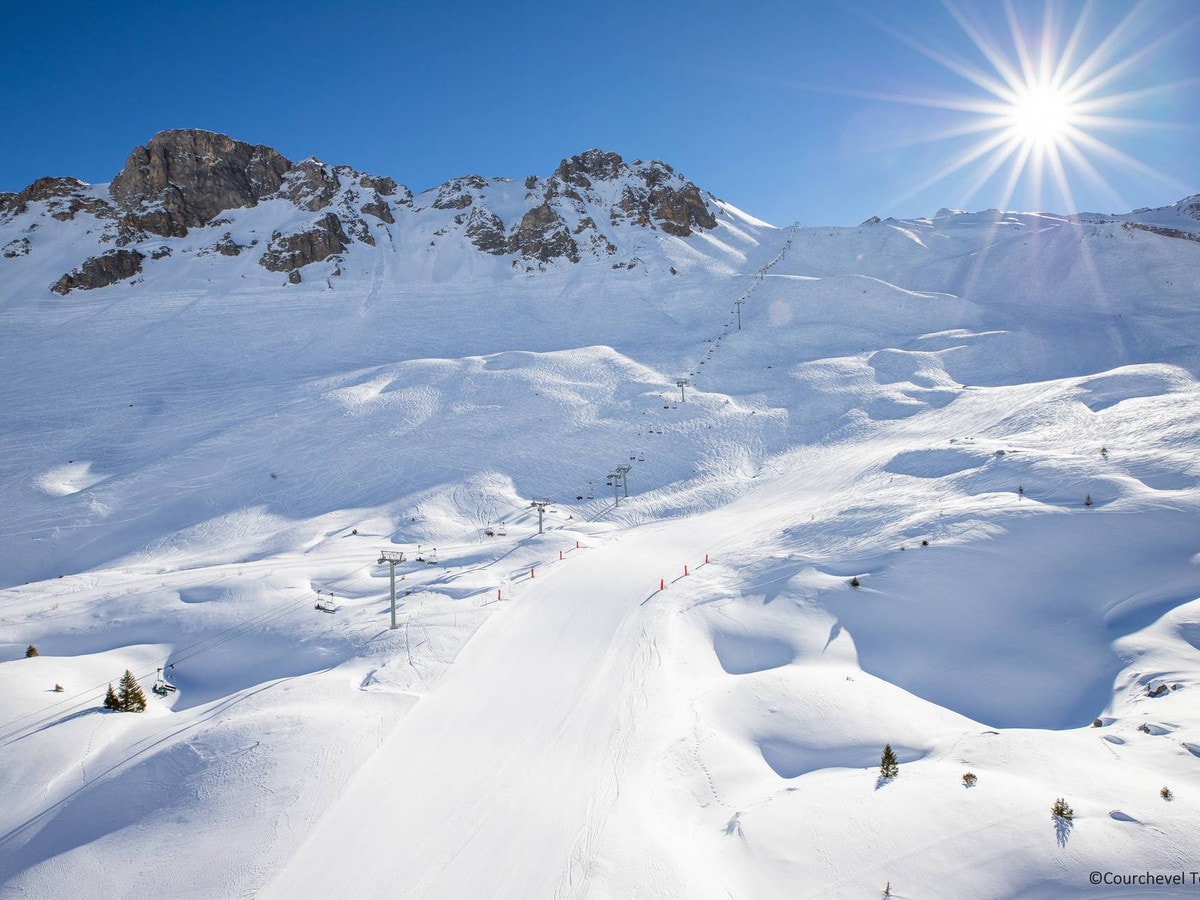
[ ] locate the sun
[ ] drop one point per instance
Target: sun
(1041, 116)
(1043, 97)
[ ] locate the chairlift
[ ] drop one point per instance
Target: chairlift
(162, 684)
(419, 557)
(489, 532)
(325, 602)
(501, 530)
(432, 560)
(641, 457)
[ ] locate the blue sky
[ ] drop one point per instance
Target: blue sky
(791, 111)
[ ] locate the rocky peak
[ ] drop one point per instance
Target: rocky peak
(184, 178)
(590, 165)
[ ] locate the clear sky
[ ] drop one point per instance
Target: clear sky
(821, 112)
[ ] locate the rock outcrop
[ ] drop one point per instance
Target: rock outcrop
(647, 195)
(188, 179)
(543, 235)
(321, 241)
(64, 197)
(184, 178)
(101, 271)
(486, 231)
(310, 184)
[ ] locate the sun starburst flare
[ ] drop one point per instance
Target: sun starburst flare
(1043, 102)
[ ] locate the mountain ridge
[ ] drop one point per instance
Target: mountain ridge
(183, 180)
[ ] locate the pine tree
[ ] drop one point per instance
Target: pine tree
(889, 766)
(129, 695)
(1060, 810)
(110, 699)
(31, 651)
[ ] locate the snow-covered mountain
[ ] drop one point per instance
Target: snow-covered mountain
(929, 483)
(190, 194)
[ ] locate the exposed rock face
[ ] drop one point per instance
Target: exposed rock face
(651, 195)
(591, 164)
(322, 240)
(183, 179)
(10, 205)
(486, 231)
(379, 210)
(16, 247)
(456, 194)
(310, 184)
(1160, 229)
(381, 184)
(101, 271)
(664, 199)
(227, 246)
(543, 236)
(64, 197)
(187, 179)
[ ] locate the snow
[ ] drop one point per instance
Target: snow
(922, 406)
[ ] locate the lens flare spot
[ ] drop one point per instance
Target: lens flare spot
(780, 313)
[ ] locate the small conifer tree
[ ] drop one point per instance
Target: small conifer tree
(1088, 500)
(31, 651)
(110, 699)
(969, 779)
(129, 694)
(1166, 794)
(889, 766)
(1060, 810)
(854, 582)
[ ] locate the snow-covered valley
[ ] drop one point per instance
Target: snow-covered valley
(930, 483)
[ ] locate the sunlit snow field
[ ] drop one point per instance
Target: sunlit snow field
(989, 423)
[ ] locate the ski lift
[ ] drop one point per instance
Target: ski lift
(162, 684)
(432, 560)
(325, 602)
(419, 557)
(489, 532)
(501, 530)
(641, 457)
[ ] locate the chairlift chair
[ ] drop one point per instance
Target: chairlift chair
(501, 530)
(162, 685)
(325, 602)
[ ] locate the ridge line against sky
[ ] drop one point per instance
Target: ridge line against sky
(823, 112)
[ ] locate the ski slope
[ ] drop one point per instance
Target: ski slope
(924, 407)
